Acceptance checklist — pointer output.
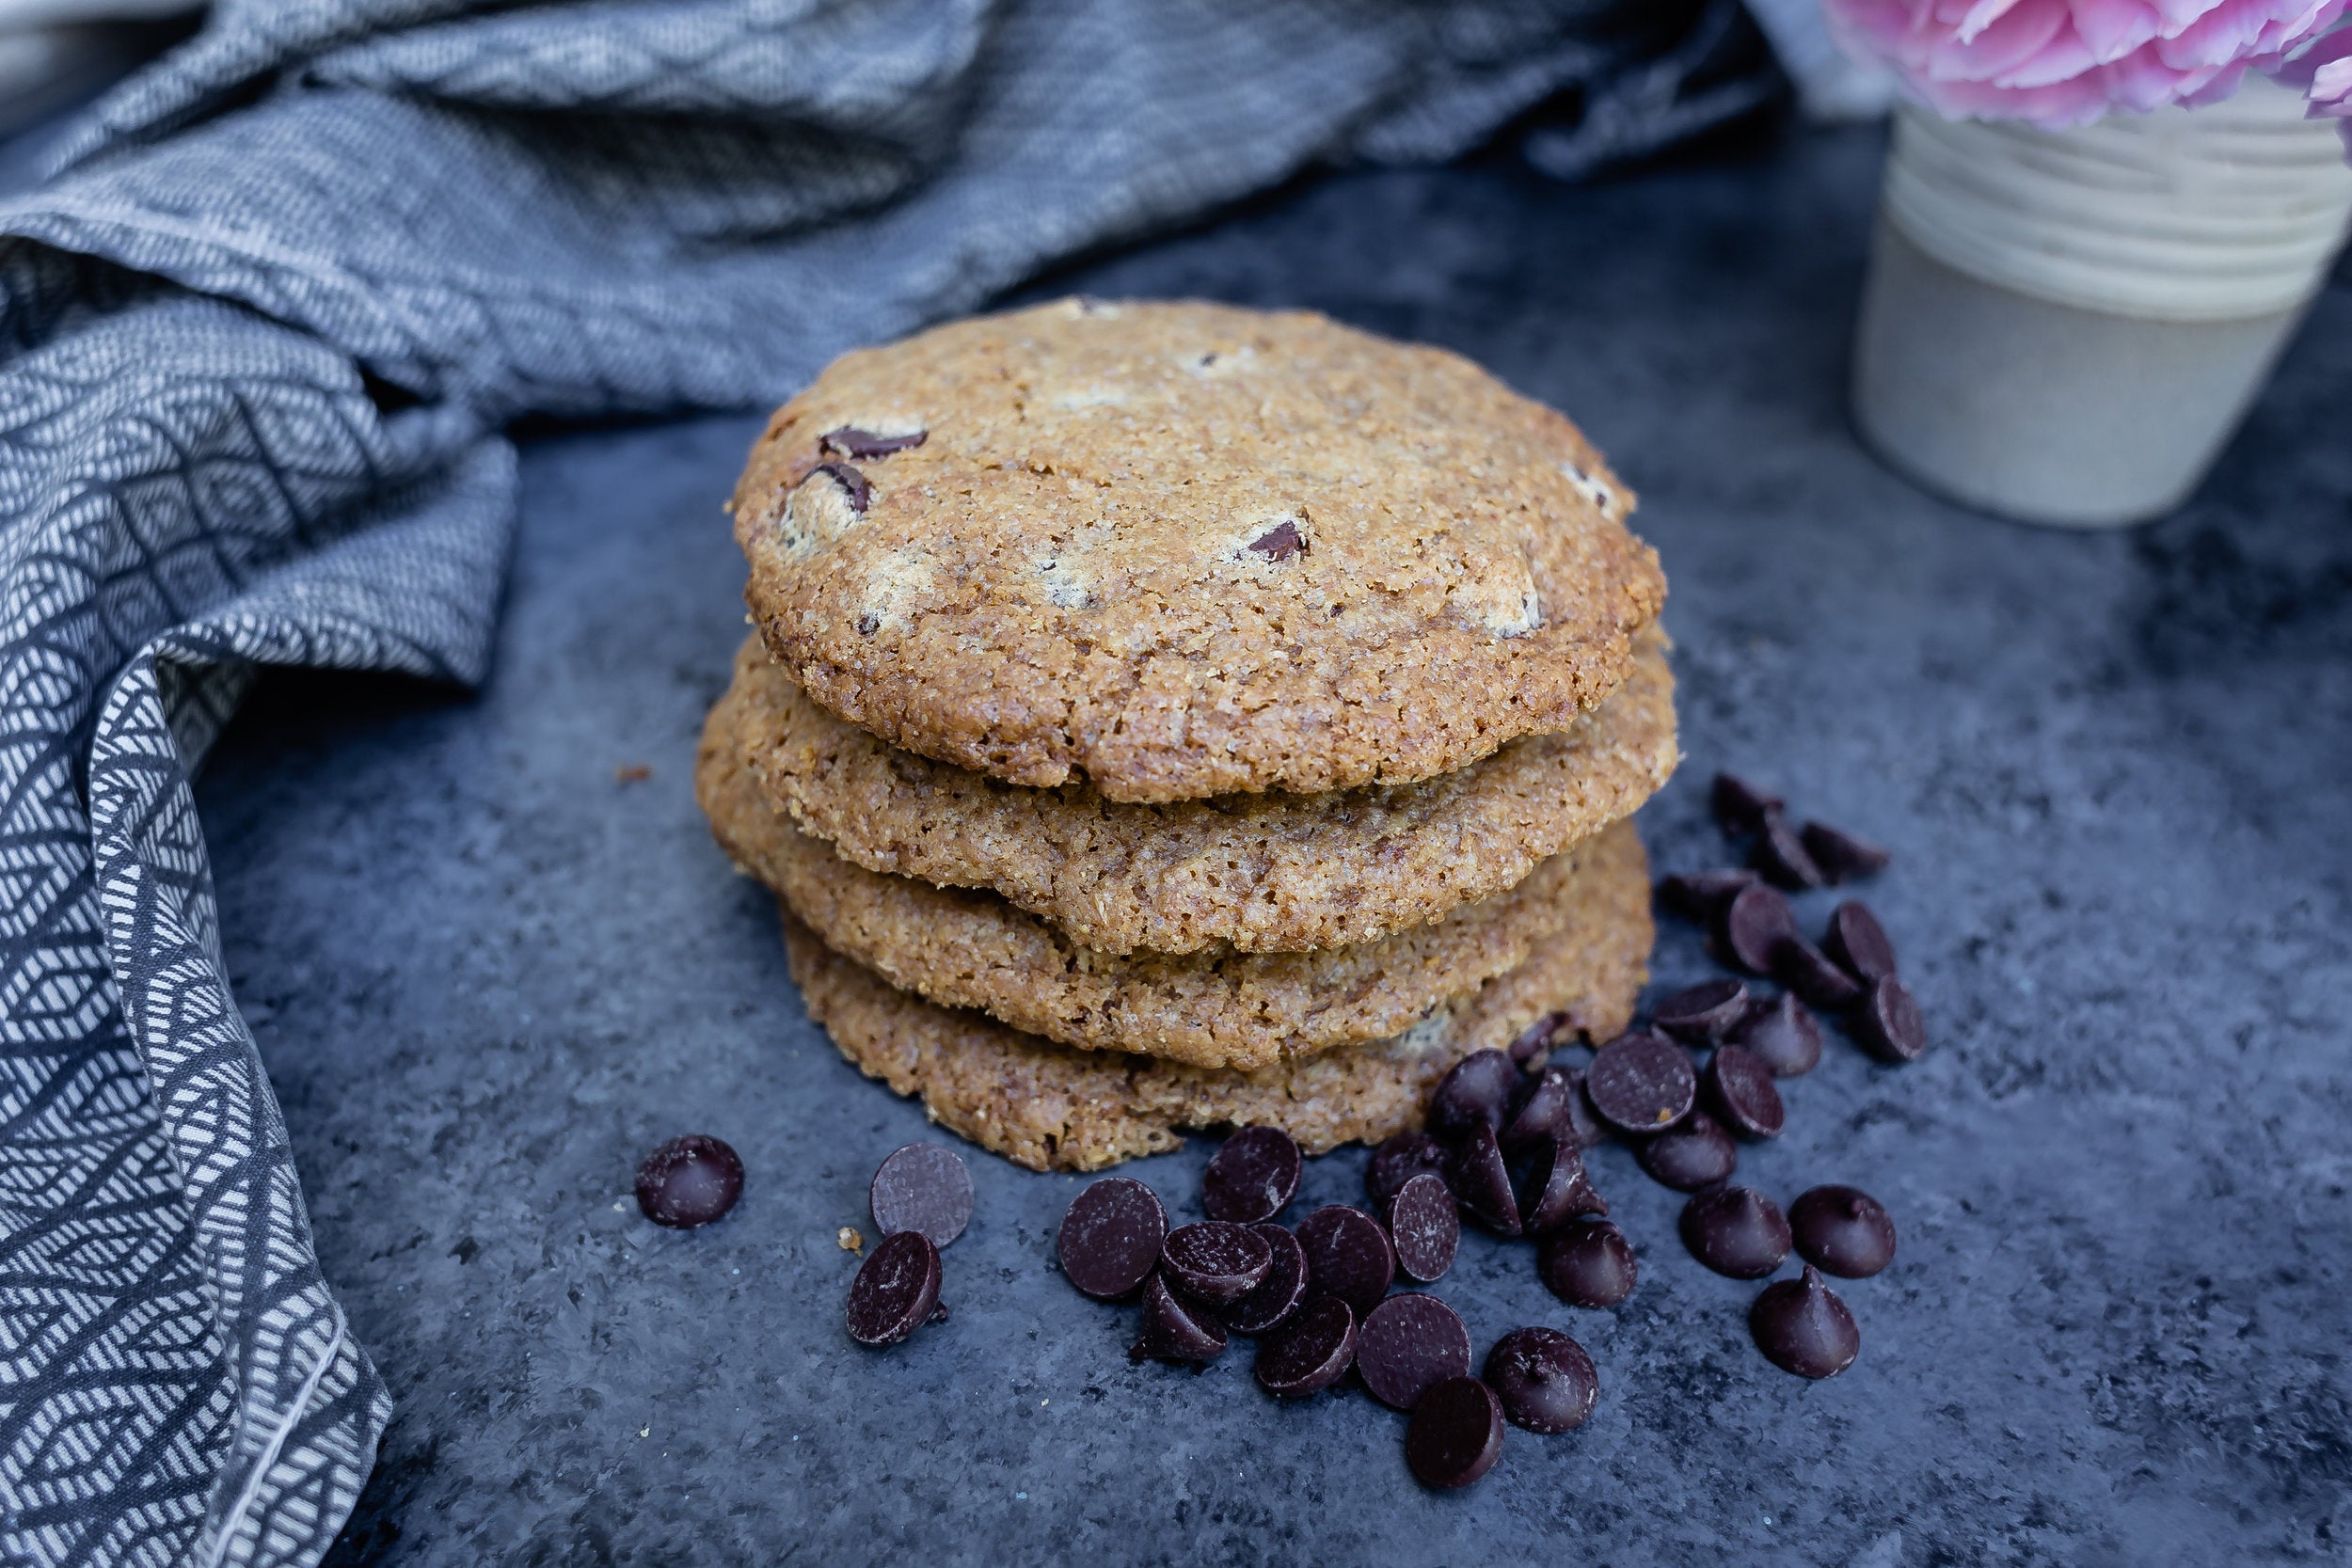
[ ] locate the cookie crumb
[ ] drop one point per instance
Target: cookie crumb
(632, 772)
(848, 1240)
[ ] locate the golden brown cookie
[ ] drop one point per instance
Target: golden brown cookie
(1050, 1107)
(1186, 550)
(1262, 873)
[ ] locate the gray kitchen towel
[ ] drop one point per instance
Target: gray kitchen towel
(259, 340)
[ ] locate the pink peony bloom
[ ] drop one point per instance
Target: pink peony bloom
(2064, 62)
(2324, 72)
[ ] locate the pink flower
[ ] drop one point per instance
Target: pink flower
(2063, 62)
(2324, 72)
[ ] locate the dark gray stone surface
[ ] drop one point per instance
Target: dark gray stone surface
(487, 977)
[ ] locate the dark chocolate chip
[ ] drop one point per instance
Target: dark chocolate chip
(1110, 1239)
(1475, 1090)
(1641, 1083)
(1842, 1230)
(1703, 1014)
(1808, 971)
(896, 1290)
(1215, 1260)
(1544, 1380)
(1174, 1329)
(1588, 1263)
(1694, 1155)
(1584, 1123)
(1735, 1230)
(1398, 1160)
(853, 485)
(1482, 1181)
(1281, 541)
(689, 1182)
(1546, 1033)
(849, 441)
(1780, 855)
(868, 624)
(1279, 1293)
(1542, 1106)
(1784, 1036)
(1252, 1177)
(1741, 807)
(1702, 894)
(922, 1187)
(1407, 1344)
(1309, 1352)
(1348, 1256)
(1456, 1436)
(1856, 939)
(1739, 1090)
(1801, 1327)
(1888, 1024)
(1550, 1187)
(1426, 1228)
(1753, 926)
(1842, 857)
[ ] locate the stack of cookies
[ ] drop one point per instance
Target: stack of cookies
(1167, 716)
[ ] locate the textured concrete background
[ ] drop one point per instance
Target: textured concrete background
(488, 978)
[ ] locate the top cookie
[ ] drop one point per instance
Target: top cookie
(1188, 551)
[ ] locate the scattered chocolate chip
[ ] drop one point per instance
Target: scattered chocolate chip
(1753, 926)
(1173, 1329)
(1252, 1177)
(1475, 1090)
(1546, 1033)
(1856, 939)
(1783, 1034)
(1641, 1083)
(689, 1182)
(1456, 1436)
(1806, 970)
(1309, 1352)
(1426, 1228)
(1842, 857)
(1694, 1155)
(1348, 1256)
(1545, 1381)
(1407, 1344)
(1482, 1181)
(896, 1290)
(1588, 1263)
(1735, 1230)
(922, 1187)
(1888, 1024)
(1741, 807)
(1780, 855)
(1550, 1187)
(1584, 1123)
(849, 441)
(1704, 1013)
(1842, 1230)
(1215, 1260)
(1398, 1160)
(1110, 1239)
(1279, 1293)
(1542, 1106)
(1739, 1090)
(1702, 894)
(853, 485)
(1281, 541)
(1801, 1327)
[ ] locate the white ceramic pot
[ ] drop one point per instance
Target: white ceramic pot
(2066, 326)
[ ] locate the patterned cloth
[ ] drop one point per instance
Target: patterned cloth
(257, 342)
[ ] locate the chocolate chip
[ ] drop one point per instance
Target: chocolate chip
(1584, 1123)
(1309, 1352)
(1281, 541)
(1702, 894)
(1801, 1327)
(1856, 939)
(1398, 1160)
(868, 624)
(1693, 1156)
(1550, 1187)
(1588, 1263)
(1279, 1293)
(1735, 1230)
(1348, 1256)
(1545, 1381)
(1456, 1436)
(1842, 1230)
(1252, 1177)
(1546, 1033)
(1753, 926)
(849, 441)
(853, 485)
(1781, 856)
(1703, 1014)
(1407, 1344)
(689, 1182)
(1173, 1329)
(1482, 1181)
(1888, 1024)
(1542, 1105)
(1739, 807)
(1842, 857)
(1783, 1036)
(922, 1187)
(1426, 1228)
(1806, 970)
(896, 1290)
(1641, 1083)
(1215, 1260)
(1739, 1090)
(1110, 1239)
(1476, 1089)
